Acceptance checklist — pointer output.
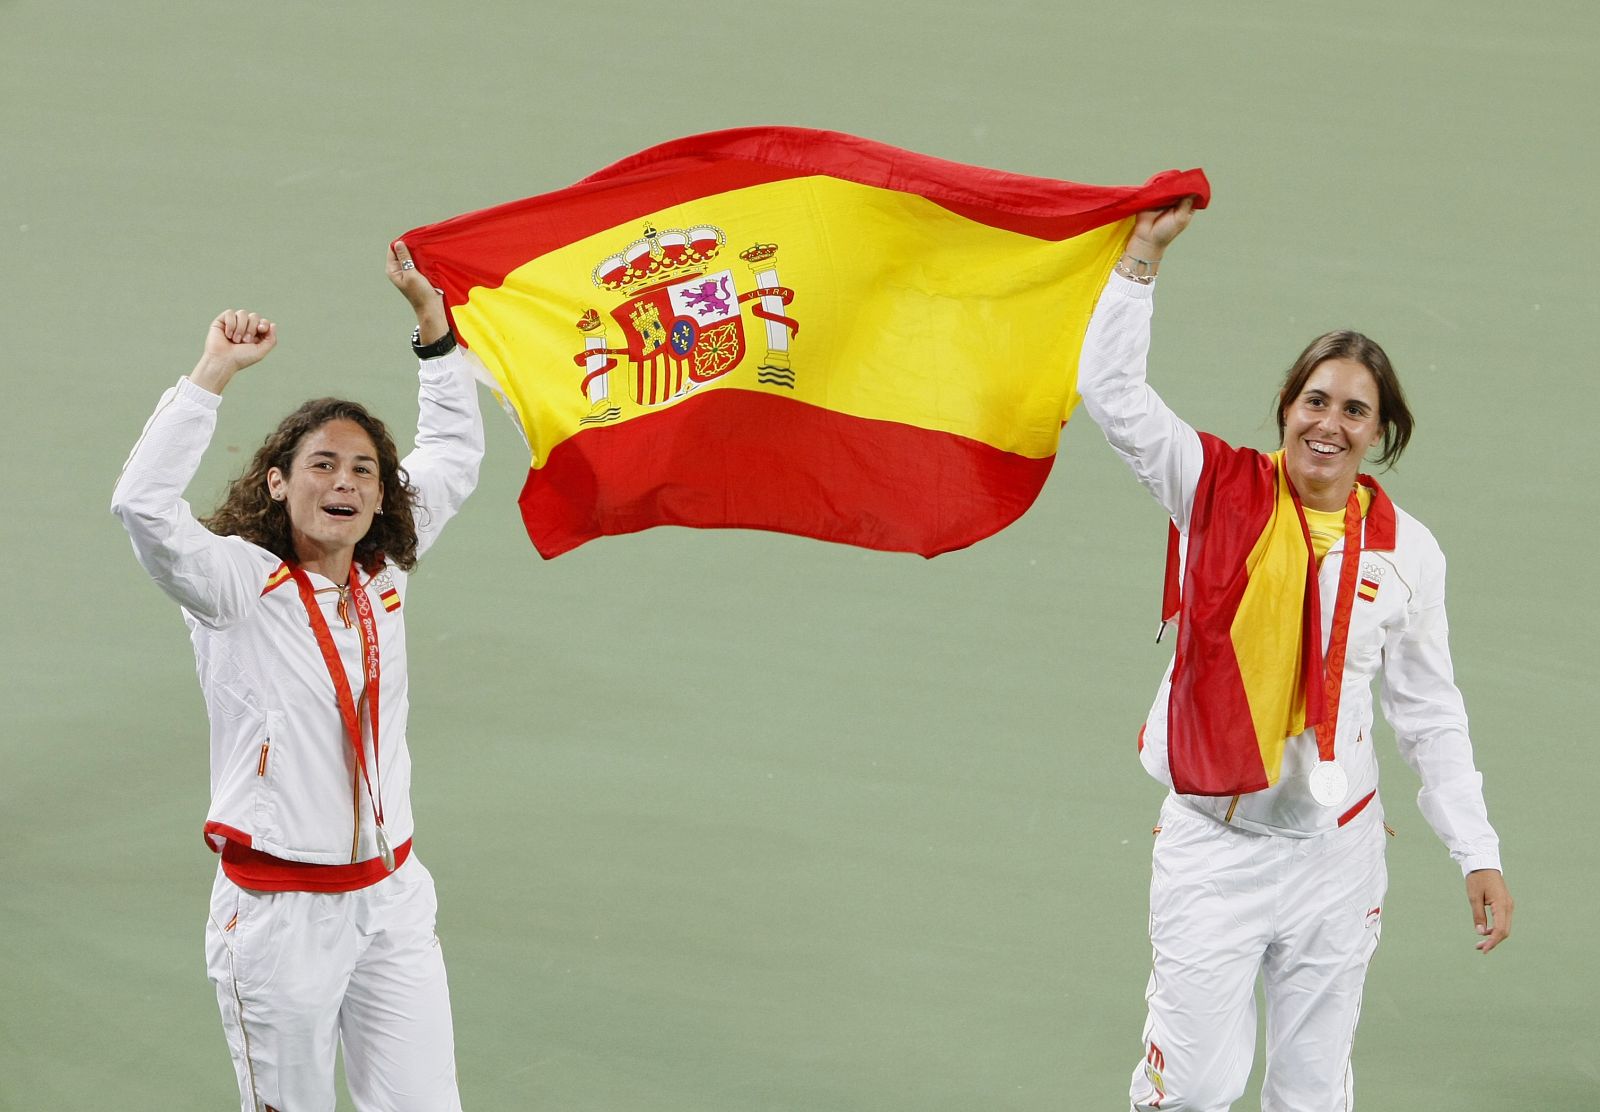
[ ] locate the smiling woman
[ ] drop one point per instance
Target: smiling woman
(1295, 582)
(321, 931)
(325, 486)
(1339, 398)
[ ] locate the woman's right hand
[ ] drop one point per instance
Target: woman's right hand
(1155, 229)
(236, 339)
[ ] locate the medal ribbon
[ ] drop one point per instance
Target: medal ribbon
(1339, 635)
(341, 683)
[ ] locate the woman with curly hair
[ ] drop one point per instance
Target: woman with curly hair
(321, 929)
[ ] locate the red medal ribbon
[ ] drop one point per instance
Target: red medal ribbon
(341, 683)
(1339, 635)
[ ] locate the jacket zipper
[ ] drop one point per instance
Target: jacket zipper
(355, 803)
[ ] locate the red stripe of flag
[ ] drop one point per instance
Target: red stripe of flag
(673, 465)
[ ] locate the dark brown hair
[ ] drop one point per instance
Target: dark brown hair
(249, 511)
(1393, 413)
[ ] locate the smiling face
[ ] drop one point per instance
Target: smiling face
(331, 491)
(1328, 429)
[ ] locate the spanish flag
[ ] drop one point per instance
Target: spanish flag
(280, 575)
(785, 329)
(1249, 669)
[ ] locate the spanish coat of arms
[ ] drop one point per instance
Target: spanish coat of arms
(681, 319)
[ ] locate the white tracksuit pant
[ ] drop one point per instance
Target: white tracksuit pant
(299, 973)
(1227, 905)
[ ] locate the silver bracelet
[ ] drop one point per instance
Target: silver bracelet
(1144, 275)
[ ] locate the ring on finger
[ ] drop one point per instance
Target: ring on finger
(408, 265)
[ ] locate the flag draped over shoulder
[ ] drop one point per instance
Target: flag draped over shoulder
(1249, 668)
(785, 329)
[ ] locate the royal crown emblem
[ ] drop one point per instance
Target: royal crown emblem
(659, 254)
(681, 319)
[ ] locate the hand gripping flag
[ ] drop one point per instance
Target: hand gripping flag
(785, 329)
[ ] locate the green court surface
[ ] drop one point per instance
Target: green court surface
(732, 822)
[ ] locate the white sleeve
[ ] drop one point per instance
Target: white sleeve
(1424, 706)
(443, 467)
(217, 579)
(1162, 449)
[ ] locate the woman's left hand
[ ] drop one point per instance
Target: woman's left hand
(426, 301)
(1491, 904)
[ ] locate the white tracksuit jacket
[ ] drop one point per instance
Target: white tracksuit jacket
(1402, 633)
(283, 777)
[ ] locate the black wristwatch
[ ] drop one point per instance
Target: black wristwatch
(444, 345)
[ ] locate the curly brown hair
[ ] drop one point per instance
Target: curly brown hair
(249, 511)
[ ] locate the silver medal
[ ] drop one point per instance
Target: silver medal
(1329, 784)
(384, 851)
